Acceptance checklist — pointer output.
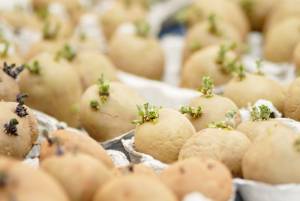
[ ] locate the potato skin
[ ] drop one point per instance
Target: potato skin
(278, 48)
(273, 158)
(136, 169)
(256, 129)
(79, 174)
(142, 56)
(164, 138)
(27, 130)
(90, 65)
(200, 35)
(194, 175)
(135, 188)
(55, 91)
(297, 56)
(114, 116)
(28, 184)
(242, 92)
(227, 146)
(79, 142)
(204, 63)
(214, 109)
(9, 88)
(292, 101)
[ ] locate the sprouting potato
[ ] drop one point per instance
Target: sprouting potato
(19, 129)
(212, 61)
(278, 48)
(119, 14)
(209, 108)
(241, 91)
(70, 141)
(207, 176)
(161, 132)
(135, 188)
(107, 109)
(22, 182)
(212, 31)
(53, 87)
(80, 175)
(274, 158)
(142, 56)
(219, 143)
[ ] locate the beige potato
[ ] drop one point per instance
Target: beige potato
(90, 65)
(53, 87)
(28, 20)
(22, 182)
(135, 188)
(69, 141)
(108, 116)
(281, 40)
(257, 11)
(243, 92)
(207, 176)
(136, 169)
(18, 131)
(205, 62)
(226, 146)
(163, 137)
(297, 56)
(274, 158)
(142, 56)
(226, 10)
(80, 175)
(209, 32)
(119, 14)
(42, 46)
(292, 101)
(283, 10)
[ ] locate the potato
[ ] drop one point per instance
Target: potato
(19, 129)
(21, 19)
(212, 31)
(118, 14)
(90, 65)
(142, 56)
(42, 46)
(207, 176)
(278, 48)
(9, 88)
(80, 175)
(225, 145)
(70, 141)
(242, 92)
(107, 109)
(22, 182)
(283, 10)
(274, 158)
(134, 188)
(257, 11)
(297, 57)
(136, 169)
(161, 132)
(226, 10)
(292, 101)
(212, 61)
(45, 82)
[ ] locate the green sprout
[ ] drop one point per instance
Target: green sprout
(34, 68)
(192, 12)
(103, 87)
(196, 45)
(207, 87)
(259, 66)
(147, 113)
(82, 36)
(240, 71)
(213, 27)
(297, 144)
(224, 49)
(50, 31)
(221, 124)
(247, 6)
(260, 113)
(95, 105)
(194, 112)
(142, 28)
(67, 52)
(5, 50)
(42, 12)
